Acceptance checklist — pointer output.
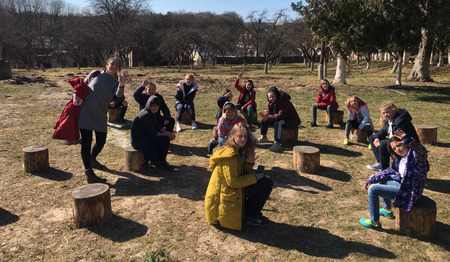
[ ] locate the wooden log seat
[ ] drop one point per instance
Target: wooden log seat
(113, 114)
(186, 118)
(134, 159)
(215, 133)
(361, 138)
(35, 159)
(254, 117)
(91, 205)
(427, 133)
(338, 117)
(420, 220)
(306, 159)
(289, 136)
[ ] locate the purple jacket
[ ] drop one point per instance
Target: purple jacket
(412, 184)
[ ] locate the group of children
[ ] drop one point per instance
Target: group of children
(236, 194)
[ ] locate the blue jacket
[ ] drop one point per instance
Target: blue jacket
(412, 184)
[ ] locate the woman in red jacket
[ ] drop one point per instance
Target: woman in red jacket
(246, 101)
(326, 100)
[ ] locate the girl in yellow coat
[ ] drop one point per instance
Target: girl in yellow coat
(236, 194)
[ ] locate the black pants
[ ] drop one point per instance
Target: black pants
(381, 152)
(86, 142)
(256, 196)
(154, 148)
(123, 110)
(277, 125)
(355, 125)
(330, 110)
(169, 126)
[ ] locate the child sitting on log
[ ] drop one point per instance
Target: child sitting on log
(184, 100)
(226, 96)
(403, 181)
(358, 117)
(148, 136)
(119, 102)
(326, 100)
(247, 98)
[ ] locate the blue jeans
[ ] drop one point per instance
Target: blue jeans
(386, 189)
(250, 112)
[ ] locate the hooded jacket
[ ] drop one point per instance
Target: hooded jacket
(327, 97)
(242, 90)
(362, 116)
(183, 97)
(225, 193)
(283, 109)
(402, 121)
(145, 124)
(412, 184)
(141, 96)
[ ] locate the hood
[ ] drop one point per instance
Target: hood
(402, 115)
(282, 97)
(328, 90)
(146, 109)
(226, 103)
(222, 153)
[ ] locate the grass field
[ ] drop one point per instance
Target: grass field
(160, 215)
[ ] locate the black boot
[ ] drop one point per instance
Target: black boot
(92, 178)
(95, 164)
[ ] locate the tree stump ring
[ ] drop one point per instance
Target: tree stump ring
(338, 117)
(420, 220)
(361, 138)
(289, 136)
(306, 159)
(91, 205)
(113, 114)
(134, 159)
(427, 133)
(35, 158)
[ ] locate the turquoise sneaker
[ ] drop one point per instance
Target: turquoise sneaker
(387, 214)
(369, 224)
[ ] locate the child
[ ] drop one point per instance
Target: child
(227, 121)
(403, 181)
(235, 193)
(122, 104)
(395, 119)
(184, 99)
(143, 92)
(281, 113)
(358, 117)
(246, 100)
(148, 136)
(227, 95)
(326, 100)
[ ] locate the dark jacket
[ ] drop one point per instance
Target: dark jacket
(145, 124)
(142, 97)
(221, 101)
(327, 97)
(186, 94)
(402, 121)
(283, 109)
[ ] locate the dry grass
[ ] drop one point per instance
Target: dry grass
(315, 217)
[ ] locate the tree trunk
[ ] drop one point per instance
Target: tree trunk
(322, 61)
(406, 56)
(421, 68)
(179, 66)
(339, 77)
(441, 59)
(367, 63)
(357, 60)
(399, 71)
(320, 71)
(312, 65)
(266, 68)
(448, 57)
(325, 69)
(395, 66)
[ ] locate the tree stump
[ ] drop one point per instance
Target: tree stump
(186, 118)
(35, 158)
(361, 138)
(427, 133)
(289, 136)
(134, 159)
(215, 133)
(113, 114)
(420, 220)
(306, 159)
(254, 117)
(91, 205)
(338, 117)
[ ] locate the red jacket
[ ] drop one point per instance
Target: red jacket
(327, 97)
(66, 128)
(242, 91)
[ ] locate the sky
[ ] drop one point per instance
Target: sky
(241, 7)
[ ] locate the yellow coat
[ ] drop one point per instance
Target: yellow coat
(224, 196)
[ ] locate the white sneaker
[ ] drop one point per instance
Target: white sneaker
(275, 147)
(377, 166)
(179, 128)
(194, 125)
(262, 139)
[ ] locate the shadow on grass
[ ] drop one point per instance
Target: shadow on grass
(54, 174)
(445, 145)
(189, 150)
(201, 125)
(311, 241)
(7, 217)
(289, 178)
(433, 94)
(332, 173)
(438, 185)
(441, 237)
(331, 150)
(120, 229)
(188, 182)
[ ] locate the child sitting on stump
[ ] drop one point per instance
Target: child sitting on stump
(358, 117)
(326, 100)
(247, 98)
(184, 99)
(119, 102)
